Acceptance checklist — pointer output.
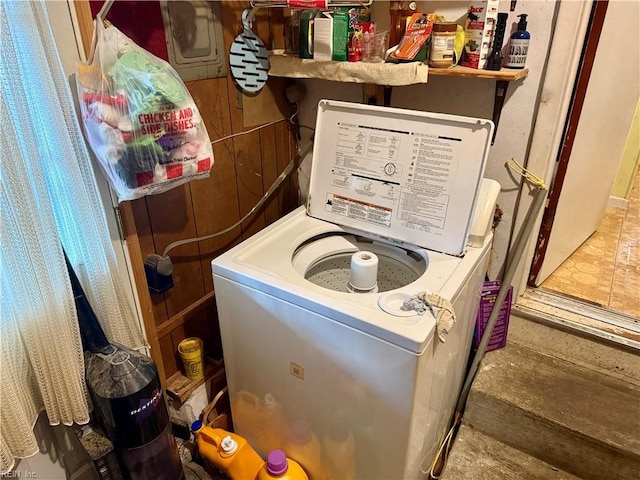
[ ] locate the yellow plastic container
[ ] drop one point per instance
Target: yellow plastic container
(190, 350)
(275, 426)
(229, 452)
(304, 447)
(247, 419)
(260, 420)
(339, 452)
(279, 467)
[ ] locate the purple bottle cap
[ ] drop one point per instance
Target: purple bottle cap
(277, 462)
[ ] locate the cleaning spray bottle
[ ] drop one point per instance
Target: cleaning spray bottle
(519, 45)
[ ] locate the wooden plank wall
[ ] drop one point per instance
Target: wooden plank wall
(245, 167)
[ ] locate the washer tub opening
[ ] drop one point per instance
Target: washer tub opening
(326, 261)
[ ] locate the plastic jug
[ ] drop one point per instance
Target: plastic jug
(276, 430)
(246, 415)
(304, 447)
(248, 418)
(229, 452)
(280, 467)
(338, 452)
(261, 421)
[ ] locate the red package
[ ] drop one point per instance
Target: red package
(354, 47)
(360, 46)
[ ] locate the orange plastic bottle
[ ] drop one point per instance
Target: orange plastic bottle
(247, 419)
(275, 425)
(261, 421)
(279, 467)
(304, 447)
(338, 448)
(229, 452)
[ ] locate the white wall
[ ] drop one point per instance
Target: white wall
(629, 161)
(61, 455)
(472, 97)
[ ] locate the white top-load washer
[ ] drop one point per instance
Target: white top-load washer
(318, 344)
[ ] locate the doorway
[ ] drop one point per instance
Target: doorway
(586, 250)
(605, 269)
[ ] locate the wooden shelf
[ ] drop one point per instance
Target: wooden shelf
(380, 73)
(180, 388)
(387, 74)
(506, 74)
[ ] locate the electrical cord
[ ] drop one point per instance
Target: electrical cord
(259, 127)
(441, 455)
(288, 169)
(275, 185)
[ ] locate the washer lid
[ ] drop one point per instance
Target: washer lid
(404, 175)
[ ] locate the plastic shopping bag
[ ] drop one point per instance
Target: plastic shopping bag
(140, 119)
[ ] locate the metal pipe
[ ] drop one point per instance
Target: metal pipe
(512, 264)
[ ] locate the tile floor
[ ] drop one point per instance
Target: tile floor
(605, 270)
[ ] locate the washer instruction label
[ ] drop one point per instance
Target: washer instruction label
(380, 172)
(406, 175)
(425, 196)
(352, 208)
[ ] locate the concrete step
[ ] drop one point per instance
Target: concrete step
(579, 419)
(611, 359)
(476, 456)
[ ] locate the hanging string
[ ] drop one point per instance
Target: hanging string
(443, 452)
(519, 169)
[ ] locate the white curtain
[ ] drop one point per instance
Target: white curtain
(49, 201)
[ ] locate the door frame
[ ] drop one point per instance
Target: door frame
(588, 55)
(555, 97)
